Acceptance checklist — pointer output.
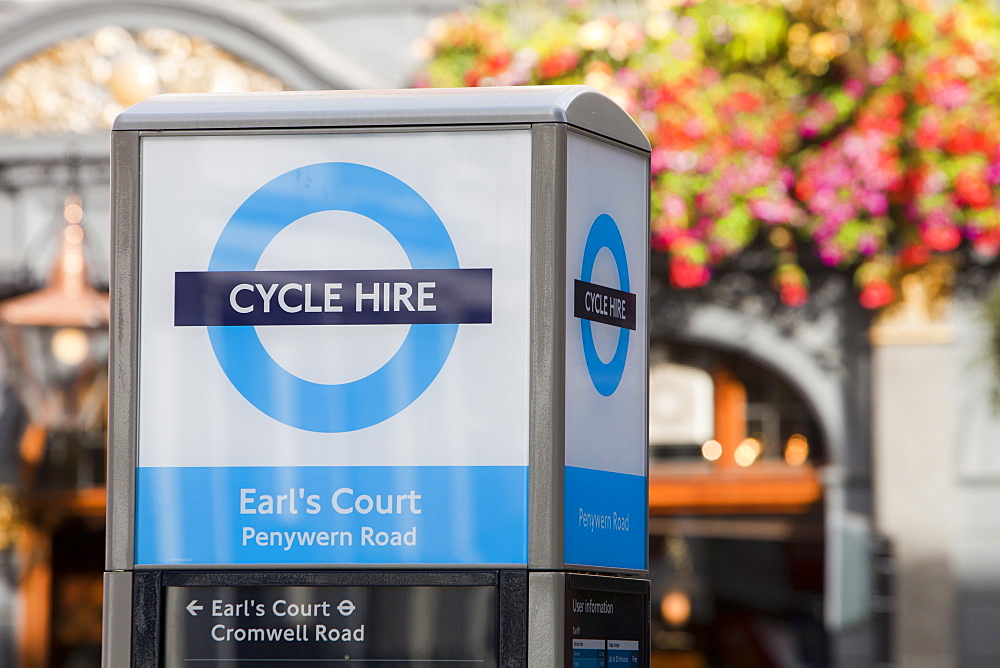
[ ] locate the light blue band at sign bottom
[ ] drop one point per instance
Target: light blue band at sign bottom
(331, 515)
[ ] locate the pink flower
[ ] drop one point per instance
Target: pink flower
(628, 77)
(831, 256)
(880, 72)
(658, 160)
(787, 177)
(838, 175)
(993, 173)
(876, 202)
(694, 127)
(854, 87)
(867, 243)
(823, 200)
(952, 95)
(840, 213)
(742, 137)
(773, 211)
(937, 217)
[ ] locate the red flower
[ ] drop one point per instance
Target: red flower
(941, 237)
(805, 189)
(665, 95)
(661, 238)
(914, 255)
(963, 141)
(901, 31)
(770, 145)
(928, 134)
(877, 294)
(497, 63)
(558, 63)
(793, 294)
(744, 101)
(973, 189)
(687, 274)
(988, 244)
(894, 104)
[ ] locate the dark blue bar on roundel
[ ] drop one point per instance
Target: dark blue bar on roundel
(333, 297)
(600, 303)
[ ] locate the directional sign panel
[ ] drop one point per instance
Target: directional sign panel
(607, 243)
(379, 625)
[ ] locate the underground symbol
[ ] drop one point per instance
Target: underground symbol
(602, 304)
(346, 607)
(384, 199)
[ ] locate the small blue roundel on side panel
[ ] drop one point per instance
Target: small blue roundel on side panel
(330, 408)
(604, 233)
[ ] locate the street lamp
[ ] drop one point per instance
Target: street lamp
(54, 341)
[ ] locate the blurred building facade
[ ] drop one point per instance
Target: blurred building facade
(793, 450)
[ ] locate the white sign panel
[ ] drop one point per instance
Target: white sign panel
(607, 269)
(333, 348)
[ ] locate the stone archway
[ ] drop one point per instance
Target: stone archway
(817, 352)
(251, 31)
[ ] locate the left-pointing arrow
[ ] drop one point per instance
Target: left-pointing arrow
(193, 607)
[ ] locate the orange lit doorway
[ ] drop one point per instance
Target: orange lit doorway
(736, 515)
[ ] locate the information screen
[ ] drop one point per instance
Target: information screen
(300, 625)
(606, 622)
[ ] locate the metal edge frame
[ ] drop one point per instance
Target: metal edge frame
(123, 364)
(129, 242)
(331, 578)
(546, 620)
(596, 136)
(324, 566)
(645, 408)
(512, 640)
(338, 130)
(580, 106)
(116, 645)
(146, 622)
(546, 385)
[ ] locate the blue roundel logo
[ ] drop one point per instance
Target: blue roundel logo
(311, 406)
(603, 304)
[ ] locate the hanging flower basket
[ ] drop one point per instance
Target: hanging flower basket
(864, 134)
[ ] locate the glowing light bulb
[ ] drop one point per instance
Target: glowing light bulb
(796, 450)
(747, 452)
(711, 450)
(70, 346)
(73, 210)
(675, 606)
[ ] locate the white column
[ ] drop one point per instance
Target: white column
(913, 372)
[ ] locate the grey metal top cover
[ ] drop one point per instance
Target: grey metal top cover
(579, 106)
